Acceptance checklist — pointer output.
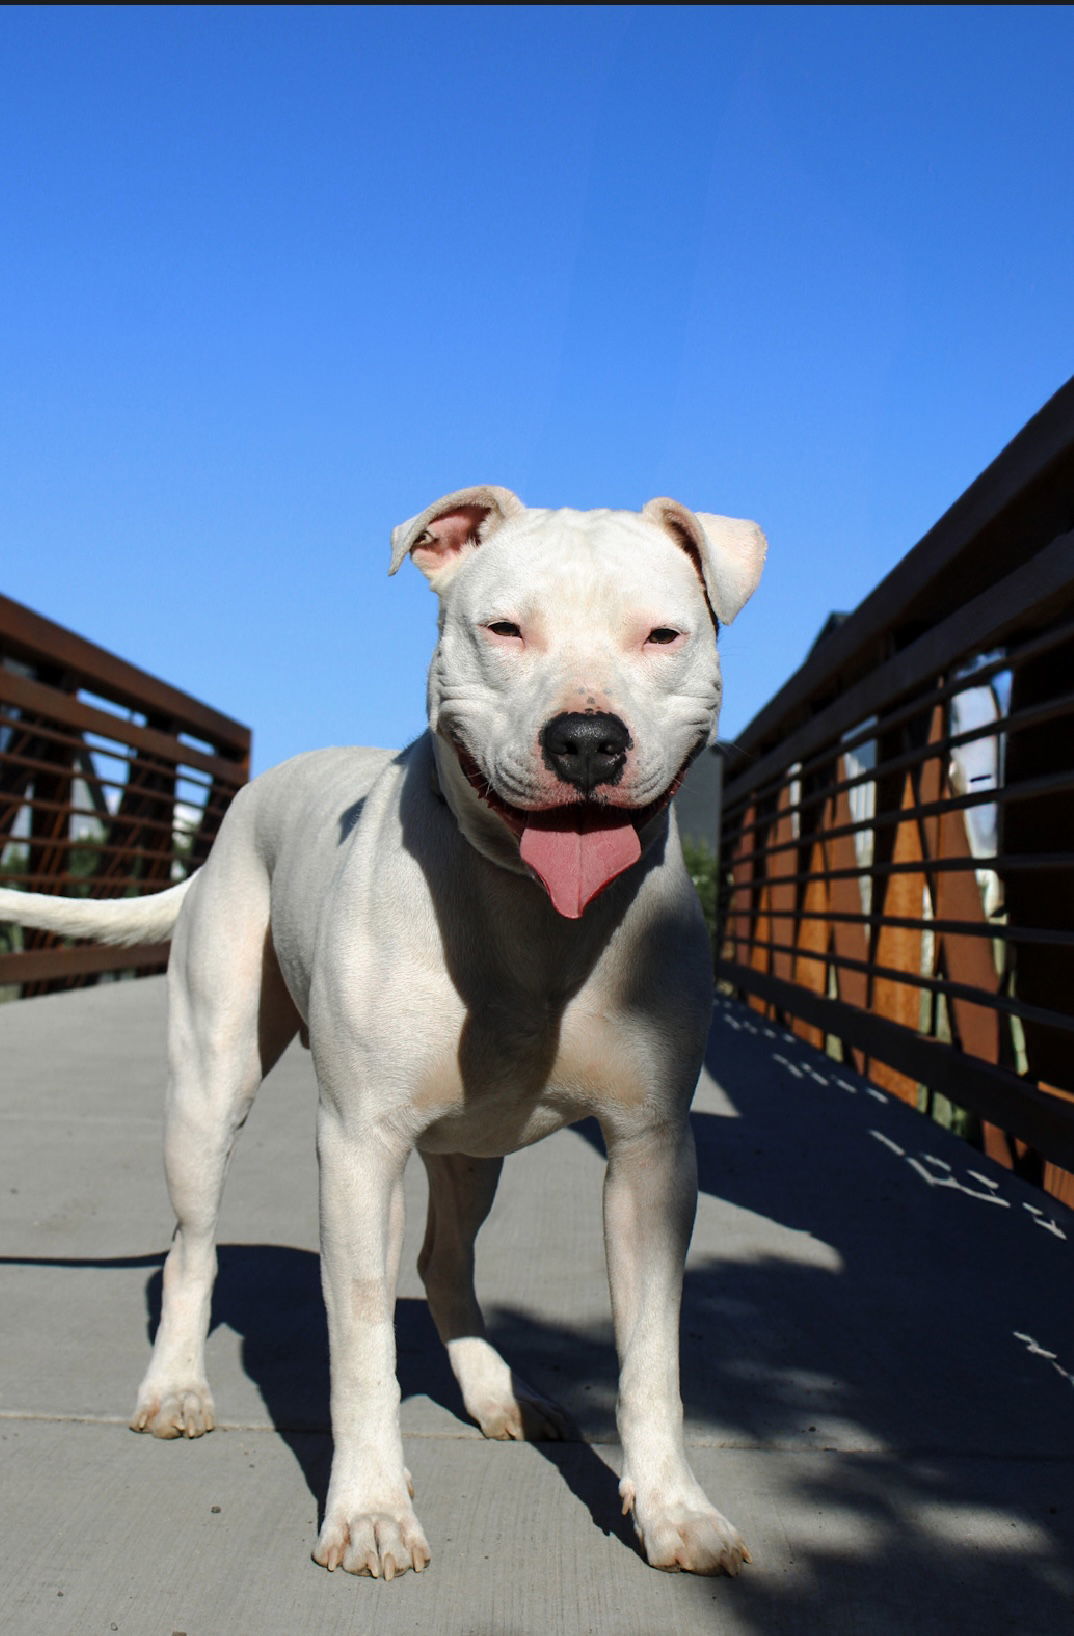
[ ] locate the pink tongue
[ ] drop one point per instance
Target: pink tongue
(576, 852)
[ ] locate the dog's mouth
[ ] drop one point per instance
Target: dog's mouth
(575, 850)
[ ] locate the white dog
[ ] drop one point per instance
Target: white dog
(483, 938)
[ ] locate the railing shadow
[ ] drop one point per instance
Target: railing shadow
(895, 1319)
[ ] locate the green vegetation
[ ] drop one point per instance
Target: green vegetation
(701, 865)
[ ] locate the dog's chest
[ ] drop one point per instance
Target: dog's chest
(516, 1076)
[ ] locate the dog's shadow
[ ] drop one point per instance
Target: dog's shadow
(270, 1295)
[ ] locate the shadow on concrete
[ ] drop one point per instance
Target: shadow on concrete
(895, 1277)
(868, 1298)
(894, 1319)
(900, 1313)
(270, 1295)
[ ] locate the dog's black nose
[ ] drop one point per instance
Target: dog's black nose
(586, 750)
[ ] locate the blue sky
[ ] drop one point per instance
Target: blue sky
(275, 278)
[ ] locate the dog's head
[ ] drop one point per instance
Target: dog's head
(576, 675)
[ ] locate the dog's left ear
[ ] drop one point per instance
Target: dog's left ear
(445, 531)
(728, 552)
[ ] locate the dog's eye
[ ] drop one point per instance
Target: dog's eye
(504, 627)
(662, 636)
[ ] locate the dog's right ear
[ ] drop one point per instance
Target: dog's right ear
(728, 552)
(447, 531)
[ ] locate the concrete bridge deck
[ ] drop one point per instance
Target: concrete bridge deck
(878, 1348)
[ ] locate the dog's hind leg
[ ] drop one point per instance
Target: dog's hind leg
(461, 1191)
(230, 1018)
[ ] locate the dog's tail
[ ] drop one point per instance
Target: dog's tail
(109, 920)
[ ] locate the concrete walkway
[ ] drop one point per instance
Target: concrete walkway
(878, 1347)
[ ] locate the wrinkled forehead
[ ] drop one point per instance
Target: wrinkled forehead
(617, 557)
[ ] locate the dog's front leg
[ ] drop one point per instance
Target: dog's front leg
(650, 1195)
(369, 1524)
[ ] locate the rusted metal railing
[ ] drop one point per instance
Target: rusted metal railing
(112, 783)
(898, 822)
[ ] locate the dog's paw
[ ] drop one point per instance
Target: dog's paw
(523, 1415)
(378, 1544)
(504, 1406)
(175, 1411)
(684, 1535)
